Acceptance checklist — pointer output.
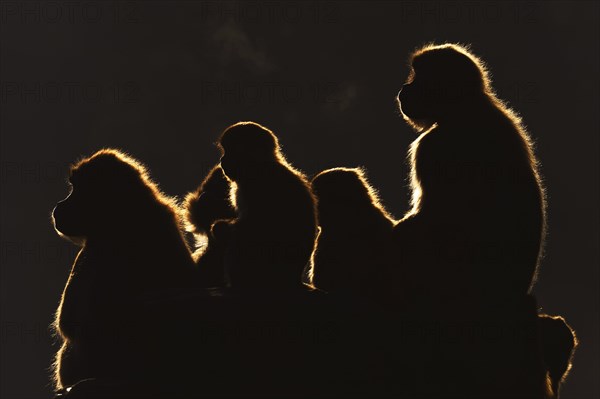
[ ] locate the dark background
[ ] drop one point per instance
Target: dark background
(162, 79)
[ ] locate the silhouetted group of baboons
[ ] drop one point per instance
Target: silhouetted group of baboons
(310, 288)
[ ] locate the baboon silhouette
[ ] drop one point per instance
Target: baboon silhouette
(266, 250)
(272, 240)
(356, 231)
(477, 222)
(132, 250)
(558, 344)
(469, 248)
(209, 204)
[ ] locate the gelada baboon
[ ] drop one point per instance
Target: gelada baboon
(469, 248)
(273, 238)
(210, 203)
(132, 249)
(477, 222)
(356, 229)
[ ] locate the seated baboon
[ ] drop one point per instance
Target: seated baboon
(204, 207)
(132, 250)
(351, 250)
(468, 250)
(477, 223)
(273, 238)
(210, 202)
(558, 345)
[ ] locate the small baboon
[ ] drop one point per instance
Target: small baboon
(350, 256)
(209, 204)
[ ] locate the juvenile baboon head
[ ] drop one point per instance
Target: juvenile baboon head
(345, 198)
(248, 150)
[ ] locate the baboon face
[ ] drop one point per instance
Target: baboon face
(238, 157)
(443, 83)
(232, 165)
(248, 151)
(70, 216)
(412, 102)
(247, 164)
(105, 193)
(87, 209)
(422, 99)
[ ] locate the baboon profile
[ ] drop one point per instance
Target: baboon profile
(132, 248)
(210, 203)
(273, 237)
(355, 233)
(477, 222)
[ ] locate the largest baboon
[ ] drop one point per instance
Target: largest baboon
(470, 246)
(477, 223)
